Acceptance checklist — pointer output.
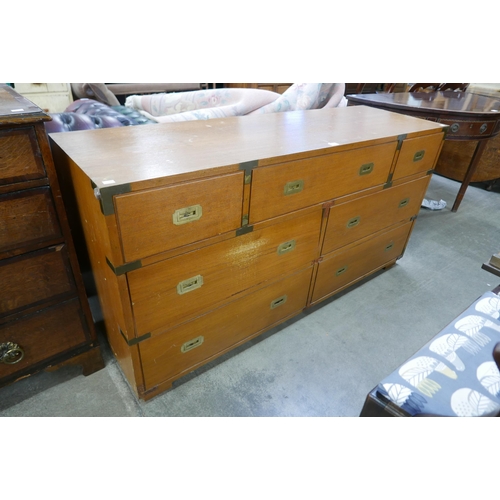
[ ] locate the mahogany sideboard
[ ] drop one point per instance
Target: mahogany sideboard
(45, 319)
(204, 234)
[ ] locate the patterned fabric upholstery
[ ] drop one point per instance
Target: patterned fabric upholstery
(454, 374)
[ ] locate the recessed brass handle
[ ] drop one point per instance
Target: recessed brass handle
(419, 155)
(279, 301)
(190, 284)
(367, 168)
(187, 214)
(192, 344)
(340, 271)
(11, 353)
(285, 247)
(353, 222)
(404, 202)
(294, 187)
(389, 246)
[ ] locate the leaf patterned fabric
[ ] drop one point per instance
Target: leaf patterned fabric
(454, 374)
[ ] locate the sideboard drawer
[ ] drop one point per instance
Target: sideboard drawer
(177, 289)
(279, 189)
(182, 349)
(418, 155)
(156, 220)
(343, 267)
(20, 157)
(33, 278)
(44, 334)
(27, 217)
(351, 221)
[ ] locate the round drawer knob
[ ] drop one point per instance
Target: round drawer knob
(10, 353)
(454, 128)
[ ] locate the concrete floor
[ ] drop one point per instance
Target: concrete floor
(322, 363)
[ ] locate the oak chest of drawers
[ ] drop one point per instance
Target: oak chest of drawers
(45, 319)
(204, 234)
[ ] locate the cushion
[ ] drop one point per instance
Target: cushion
(454, 374)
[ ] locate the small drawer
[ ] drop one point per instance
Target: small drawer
(418, 155)
(20, 157)
(167, 293)
(43, 335)
(157, 220)
(178, 351)
(280, 189)
(351, 221)
(27, 218)
(344, 267)
(34, 278)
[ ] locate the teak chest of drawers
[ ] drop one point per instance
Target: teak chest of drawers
(202, 235)
(45, 318)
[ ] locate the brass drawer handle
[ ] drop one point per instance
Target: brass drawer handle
(367, 168)
(294, 187)
(190, 284)
(389, 246)
(192, 344)
(187, 214)
(419, 155)
(11, 353)
(288, 246)
(340, 271)
(278, 302)
(404, 202)
(353, 222)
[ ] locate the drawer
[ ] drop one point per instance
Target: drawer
(341, 268)
(173, 291)
(26, 218)
(182, 349)
(43, 335)
(359, 218)
(280, 189)
(156, 220)
(33, 278)
(418, 155)
(20, 157)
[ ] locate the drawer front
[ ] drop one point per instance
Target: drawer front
(359, 218)
(27, 217)
(169, 292)
(418, 155)
(347, 266)
(280, 189)
(33, 278)
(180, 350)
(44, 334)
(160, 219)
(20, 157)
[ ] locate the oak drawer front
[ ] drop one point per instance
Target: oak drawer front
(417, 155)
(20, 157)
(345, 266)
(33, 278)
(27, 217)
(160, 219)
(44, 334)
(359, 218)
(175, 290)
(280, 189)
(180, 350)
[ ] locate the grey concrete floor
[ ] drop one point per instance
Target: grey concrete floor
(325, 361)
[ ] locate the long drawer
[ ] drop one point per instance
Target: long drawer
(180, 288)
(279, 189)
(27, 217)
(156, 220)
(34, 278)
(20, 158)
(182, 349)
(346, 266)
(351, 221)
(44, 334)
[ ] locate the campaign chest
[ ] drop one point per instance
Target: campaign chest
(204, 234)
(45, 319)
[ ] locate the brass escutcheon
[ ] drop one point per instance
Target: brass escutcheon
(419, 155)
(11, 353)
(340, 271)
(367, 168)
(192, 344)
(279, 301)
(353, 222)
(404, 202)
(187, 214)
(293, 187)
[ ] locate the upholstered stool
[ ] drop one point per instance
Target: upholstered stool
(454, 374)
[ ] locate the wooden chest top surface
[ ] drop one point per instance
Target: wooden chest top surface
(130, 155)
